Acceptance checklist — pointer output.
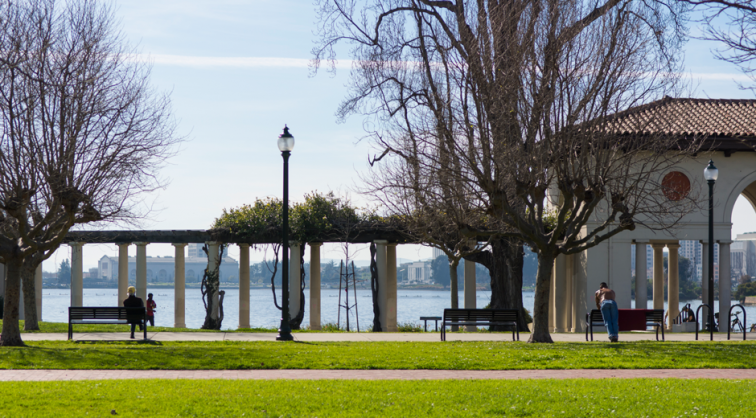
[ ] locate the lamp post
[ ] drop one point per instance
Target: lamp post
(710, 174)
(285, 144)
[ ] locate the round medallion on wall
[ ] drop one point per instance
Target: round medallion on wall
(676, 186)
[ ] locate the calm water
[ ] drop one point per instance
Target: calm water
(411, 305)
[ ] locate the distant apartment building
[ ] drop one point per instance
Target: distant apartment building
(743, 255)
(419, 273)
(161, 269)
(437, 253)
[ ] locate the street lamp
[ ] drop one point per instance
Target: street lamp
(710, 174)
(285, 144)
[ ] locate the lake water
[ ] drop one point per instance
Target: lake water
(411, 305)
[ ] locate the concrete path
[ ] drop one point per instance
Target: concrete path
(368, 336)
(49, 375)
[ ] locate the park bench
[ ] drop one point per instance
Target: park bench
(461, 317)
(105, 315)
(648, 318)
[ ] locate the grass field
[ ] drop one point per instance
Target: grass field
(324, 398)
(226, 355)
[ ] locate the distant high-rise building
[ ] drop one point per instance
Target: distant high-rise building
(437, 253)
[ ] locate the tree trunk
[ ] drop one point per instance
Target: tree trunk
(541, 306)
(504, 264)
(28, 273)
(454, 286)
(11, 335)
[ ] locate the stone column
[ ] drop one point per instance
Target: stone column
(559, 288)
(641, 268)
(380, 260)
(725, 283)
(243, 285)
(179, 286)
(315, 285)
(470, 290)
(704, 282)
(38, 291)
(141, 270)
(77, 274)
(391, 284)
(213, 256)
(673, 284)
(123, 271)
(295, 278)
(658, 275)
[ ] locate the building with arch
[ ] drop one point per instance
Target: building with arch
(729, 129)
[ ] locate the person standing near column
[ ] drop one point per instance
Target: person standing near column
(151, 305)
(605, 301)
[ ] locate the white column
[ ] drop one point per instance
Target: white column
(243, 285)
(315, 285)
(658, 275)
(141, 270)
(123, 271)
(470, 290)
(295, 278)
(673, 284)
(213, 257)
(725, 283)
(38, 291)
(641, 279)
(380, 260)
(559, 290)
(391, 300)
(582, 298)
(621, 271)
(77, 274)
(179, 286)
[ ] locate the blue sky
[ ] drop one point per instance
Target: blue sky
(237, 72)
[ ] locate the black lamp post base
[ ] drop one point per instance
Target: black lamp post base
(284, 336)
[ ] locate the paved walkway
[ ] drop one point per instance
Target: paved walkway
(47, 375)
(368, 336)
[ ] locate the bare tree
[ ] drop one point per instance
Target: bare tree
(512, 109)
(83, 135)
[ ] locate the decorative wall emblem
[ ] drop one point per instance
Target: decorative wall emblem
(676, 186)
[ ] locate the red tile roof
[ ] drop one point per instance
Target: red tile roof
(722, 118)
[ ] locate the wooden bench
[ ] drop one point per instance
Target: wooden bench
(105, 315)
(461, 317)
(654, 318)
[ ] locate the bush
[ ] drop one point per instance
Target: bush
(409, 327)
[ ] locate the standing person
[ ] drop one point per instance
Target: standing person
(133, 302)
(606, 303)
(151, 305)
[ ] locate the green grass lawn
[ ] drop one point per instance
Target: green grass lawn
(326, 398)
(222, 355)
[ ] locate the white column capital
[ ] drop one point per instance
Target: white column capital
(673, 245)
(179, 244)
(76, 244)
(658, 245)
(724, 241)
(314, 244)
(640, 241)
(381, 242)
(123, 244)
(141, 244)
(243, 245)
(294, 243)
(213, 243)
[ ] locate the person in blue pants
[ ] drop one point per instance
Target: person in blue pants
(605, 301)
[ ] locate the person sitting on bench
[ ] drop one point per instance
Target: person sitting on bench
(133, 302)
(605, 302)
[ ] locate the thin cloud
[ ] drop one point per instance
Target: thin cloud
(229, 62)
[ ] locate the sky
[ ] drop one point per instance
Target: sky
(237, 71)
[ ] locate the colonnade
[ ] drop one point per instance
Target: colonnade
(385, 260)
(673, 281)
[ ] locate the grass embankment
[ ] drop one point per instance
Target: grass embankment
(227, 355)
(321, 398)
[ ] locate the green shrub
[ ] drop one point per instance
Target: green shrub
(409, 327)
